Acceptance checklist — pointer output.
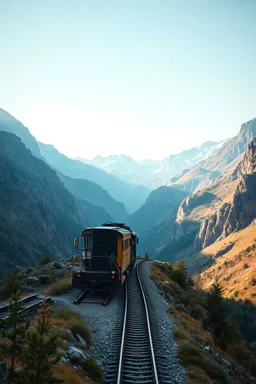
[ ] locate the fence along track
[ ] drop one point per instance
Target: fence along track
(137, 360)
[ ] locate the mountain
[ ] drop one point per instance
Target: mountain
(175, 164)
(125, 168)
(38, 215)
(160, 207)
(153, 173)
(222, 160)
(8, 123)
(96, 195)
(241, 210)
(132, 195)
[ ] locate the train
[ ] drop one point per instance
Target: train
(108, 255)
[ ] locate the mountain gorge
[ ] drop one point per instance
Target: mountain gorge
(38, 216)
(153, 173)
(224, 205)
(132, 195)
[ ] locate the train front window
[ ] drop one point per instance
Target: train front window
(88, 242)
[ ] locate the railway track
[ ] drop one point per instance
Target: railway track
(136, 364)
(93, 297)
(30, 303)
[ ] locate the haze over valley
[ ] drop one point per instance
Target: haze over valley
(128, 192)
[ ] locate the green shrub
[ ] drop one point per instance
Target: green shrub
(64, 313)
(191, 355)
(45, 260)
(93, 369)
(59, 287)
(78, 327)
(11, 285)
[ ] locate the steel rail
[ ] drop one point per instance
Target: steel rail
(119, 376)
(149, 329)
(121, 359)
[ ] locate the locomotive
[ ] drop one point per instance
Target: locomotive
(108, 255)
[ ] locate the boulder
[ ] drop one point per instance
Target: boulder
(76, 356)
(81, 340)
(3, 369)
(33, 281)
(56, 264)
(209, 350)
(227, 364)
(18, 269)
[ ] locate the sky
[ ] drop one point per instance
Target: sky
(144, 78)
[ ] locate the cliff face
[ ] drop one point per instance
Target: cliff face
(241, 212)
(219, 162)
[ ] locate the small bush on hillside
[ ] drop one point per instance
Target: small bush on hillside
(64, 313)
(78, 327)
(10, 286)
(45, 260)
(93, 369)
(246, 265)
(192, 355)
(59, 287)
(239, 351)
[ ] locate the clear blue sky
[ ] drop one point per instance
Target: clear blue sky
(146, 78)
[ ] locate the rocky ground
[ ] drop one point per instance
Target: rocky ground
(162, 325)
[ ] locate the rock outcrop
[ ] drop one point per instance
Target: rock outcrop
(238, 214)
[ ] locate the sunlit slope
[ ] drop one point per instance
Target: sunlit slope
(234, 264)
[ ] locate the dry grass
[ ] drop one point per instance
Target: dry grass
(59, 287)
(64, 317)
(191, 336)
(230, 268)
(69, 375)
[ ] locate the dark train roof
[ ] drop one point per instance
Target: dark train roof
(122, 231)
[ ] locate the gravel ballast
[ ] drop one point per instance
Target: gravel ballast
(162, 326)
(101, 320)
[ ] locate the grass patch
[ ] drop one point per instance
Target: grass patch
(73, 321)
(69, 376)
(93, 369)
(192, 356)
(65, 314)
(79, 327)
(59, 287)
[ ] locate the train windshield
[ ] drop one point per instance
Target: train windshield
(88, 242)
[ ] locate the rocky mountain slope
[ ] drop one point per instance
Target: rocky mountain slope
(132, 195)
(8, 123)
(155, 218)
(153, 173)
(241, 211)
(96, 195)
(224, 159)
(210, 214)
(38, 215)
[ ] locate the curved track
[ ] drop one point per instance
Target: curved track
(137, 359)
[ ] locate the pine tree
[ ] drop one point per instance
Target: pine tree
(17, 326)
(40, 351)
(180, 274)
(217, 314)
